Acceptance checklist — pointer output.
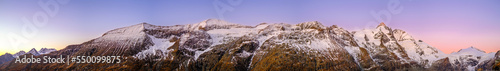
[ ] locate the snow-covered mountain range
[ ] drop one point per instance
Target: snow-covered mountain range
(8, 57)
(35, 52)
(219, 45)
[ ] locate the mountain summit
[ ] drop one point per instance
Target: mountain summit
(34, 52)
(381, 24)
(471, 51)
(222, 46)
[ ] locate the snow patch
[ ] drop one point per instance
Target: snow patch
(198, 53)
(220, 35)
(130, 33)
(320, 44)
(353, 51)
(160, 44)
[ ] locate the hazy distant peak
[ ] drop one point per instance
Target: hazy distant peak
(471, 49)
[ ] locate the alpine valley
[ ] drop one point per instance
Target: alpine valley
(216, 45)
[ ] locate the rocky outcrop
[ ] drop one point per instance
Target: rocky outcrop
(46, 50)
(444, 65)
(490, 64)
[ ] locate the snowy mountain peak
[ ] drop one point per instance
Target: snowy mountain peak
(19, 53)
(210, 24)
(213, 22)
(212, 42)
(401, 35)
(130, 32)
(146, 25)
(382, 27)
(127, 30)
(34, 52)
(471, 49)
(7, 54)
(46, 50)
(381, 24)
(311, 25)
(470, 58)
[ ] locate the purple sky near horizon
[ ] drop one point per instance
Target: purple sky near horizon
(448, 25)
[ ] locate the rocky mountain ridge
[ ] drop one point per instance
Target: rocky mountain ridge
(218, 45)
(8, 57)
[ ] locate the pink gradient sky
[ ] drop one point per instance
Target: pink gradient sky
(448, 25)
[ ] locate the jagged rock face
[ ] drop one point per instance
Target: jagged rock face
(308, 49)
(496, 65)
(19, 53)
(34, 52)
(383, 47)
(223, 46)
(46, 50)
(5, 58)
(490, 64)
(444, 65)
